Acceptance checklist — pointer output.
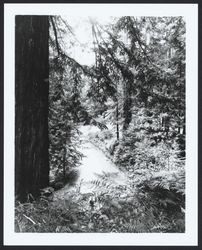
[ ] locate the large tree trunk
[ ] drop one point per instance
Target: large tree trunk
(31, 105)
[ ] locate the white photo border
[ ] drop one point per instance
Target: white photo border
(190, 237)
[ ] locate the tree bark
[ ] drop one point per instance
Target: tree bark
(127, 114)
(31, 105)
(117, 120)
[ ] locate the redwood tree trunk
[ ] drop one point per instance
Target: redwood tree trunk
(31, 105)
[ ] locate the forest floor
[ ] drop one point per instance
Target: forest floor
(94, 165)
(102, 199)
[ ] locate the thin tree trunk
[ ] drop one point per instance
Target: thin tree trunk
(64, 162)
(127, 114)
(31, 105)
(184, 127)
(117, 121)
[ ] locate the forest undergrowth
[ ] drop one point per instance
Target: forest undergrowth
(111, 209)
(152, 200)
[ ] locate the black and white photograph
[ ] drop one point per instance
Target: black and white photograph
(100, 124)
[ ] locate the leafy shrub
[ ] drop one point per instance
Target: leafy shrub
(109, 208)
(155, 172)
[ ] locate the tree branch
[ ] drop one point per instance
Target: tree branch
(56, 36)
